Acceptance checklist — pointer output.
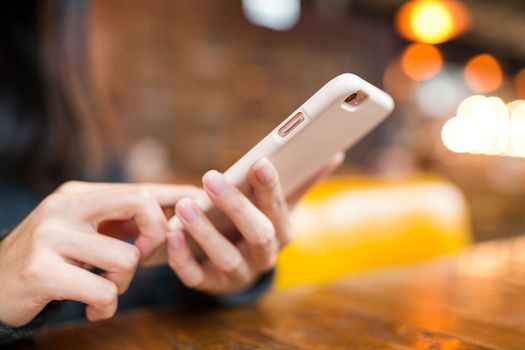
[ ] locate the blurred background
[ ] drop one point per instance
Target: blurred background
(200, 82)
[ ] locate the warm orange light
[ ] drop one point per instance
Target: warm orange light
(519, 83)
(432, 21)
(421, 61)
(483, 73)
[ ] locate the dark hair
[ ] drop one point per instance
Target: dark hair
(52, 126)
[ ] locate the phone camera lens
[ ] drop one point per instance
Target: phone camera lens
(356, 98)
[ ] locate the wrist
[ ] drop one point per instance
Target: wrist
(11, 334)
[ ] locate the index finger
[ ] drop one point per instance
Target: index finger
(166, 194)
(122, 203)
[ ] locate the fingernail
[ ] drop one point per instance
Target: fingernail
(174, 224)
(339, 157)
(186, 209)
(264, 170)
(214, 182)
(174, 241)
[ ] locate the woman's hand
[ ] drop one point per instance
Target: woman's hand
(48, 255)
(264, 227)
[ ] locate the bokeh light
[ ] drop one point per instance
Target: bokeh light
(519, 83)
(498, 119)
(274, 14)
(483, 73)
(440, 96)
(452, 136)
(485, 125)
(432, 21)
(517, 125)
(421, 61)
(511, 106)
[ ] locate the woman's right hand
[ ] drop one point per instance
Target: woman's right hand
(48, 255)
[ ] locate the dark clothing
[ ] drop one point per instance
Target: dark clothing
(150, 286)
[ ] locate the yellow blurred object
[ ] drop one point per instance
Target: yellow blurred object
(350, 224)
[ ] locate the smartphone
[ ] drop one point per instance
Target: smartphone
(333, 119)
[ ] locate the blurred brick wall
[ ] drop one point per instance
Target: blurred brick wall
(207, 84)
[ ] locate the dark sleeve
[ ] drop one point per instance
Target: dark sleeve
(8, 334)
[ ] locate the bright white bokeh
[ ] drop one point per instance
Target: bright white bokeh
(274, 14)
(439, 96)
(485, 125)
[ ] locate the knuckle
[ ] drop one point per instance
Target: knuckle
(67, 186)
(193, 281)
(140, 195)
(265, 233)
(240, 282)
(173, 265)
(285, 236)
(177, 263)
(35, 269)
(51, 203)
(231, 264)
(285, 240)
(144, 198)
(106, 296)
(269, 263)
(129, 258)
(275, 205)
(177, 268)
(44, 230)
(143, 194)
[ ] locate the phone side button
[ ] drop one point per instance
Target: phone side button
(291, 124)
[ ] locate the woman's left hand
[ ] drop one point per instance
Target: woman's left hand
(264, 226)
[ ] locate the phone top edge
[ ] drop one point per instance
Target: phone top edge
(334, 92)
(338, 89)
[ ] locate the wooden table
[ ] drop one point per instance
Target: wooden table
(475, 300)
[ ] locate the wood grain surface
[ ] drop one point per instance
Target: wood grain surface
(473, 300)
